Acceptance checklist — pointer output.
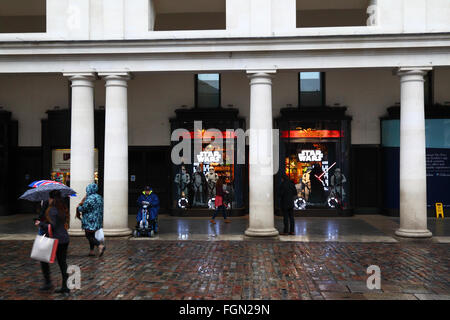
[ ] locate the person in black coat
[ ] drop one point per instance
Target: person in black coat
(56, 217)
(287, 192)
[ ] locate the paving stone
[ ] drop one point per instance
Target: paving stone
(343, 296)
(389, 296)
(235, 270)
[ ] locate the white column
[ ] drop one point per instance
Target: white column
(261, 214)
(413, 178)
(81, 141)
(115, 212)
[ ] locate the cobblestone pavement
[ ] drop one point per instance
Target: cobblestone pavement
(258, 269)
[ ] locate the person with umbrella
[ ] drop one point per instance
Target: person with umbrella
(56, 218)
(90, 211)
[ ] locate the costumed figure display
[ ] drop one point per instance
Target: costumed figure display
(306, 184)
(147, 217)
(182, 181)
(337, 184)
(211, 178)
(317, 187)
(199, 186)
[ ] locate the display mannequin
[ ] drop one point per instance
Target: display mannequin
(211, 178)
(199, 184)
(306, 183)
(337, 184)
(182, 181)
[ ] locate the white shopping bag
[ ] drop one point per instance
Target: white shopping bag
(99, 235)
(44, 249)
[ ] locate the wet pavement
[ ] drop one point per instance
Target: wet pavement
(363, 228)
(259, 269)
(326, 259)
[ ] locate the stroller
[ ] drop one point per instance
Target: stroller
(148, 225)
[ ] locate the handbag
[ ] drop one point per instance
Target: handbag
(44, 248)
(99, 235)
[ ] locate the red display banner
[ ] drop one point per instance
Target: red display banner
(210, 135)
(309, 133)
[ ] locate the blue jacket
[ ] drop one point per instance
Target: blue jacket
(92, 209)
(154, 205)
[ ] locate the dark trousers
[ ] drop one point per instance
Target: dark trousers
(288, 219)
(61, 257)
(221, 208)
(90, 235)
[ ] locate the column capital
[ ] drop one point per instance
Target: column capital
(81, 79)
(261, 76)
(413, 71)
(115, 79)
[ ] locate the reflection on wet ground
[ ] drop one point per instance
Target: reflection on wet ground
(363, 228)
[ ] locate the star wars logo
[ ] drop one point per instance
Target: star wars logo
(310, 155)
(209, 157)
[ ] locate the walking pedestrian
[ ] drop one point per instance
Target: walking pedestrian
(91, 211)
(287, 192)
(57, 217)
(219, 201)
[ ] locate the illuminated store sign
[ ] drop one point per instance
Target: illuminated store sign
(310, 133)
(209, 157)
(310, 155)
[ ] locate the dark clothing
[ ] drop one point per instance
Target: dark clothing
(317, 191)
(57, 225)
(219, 191)
(288, 220)
(93, 242)
(61, 257)
(287, 192)
(220, 208)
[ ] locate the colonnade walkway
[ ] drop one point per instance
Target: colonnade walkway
(359, 228)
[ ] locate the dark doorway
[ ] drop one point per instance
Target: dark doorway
(366, 164)
(149, 166)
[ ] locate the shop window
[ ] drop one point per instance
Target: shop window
(170, 15)
(332, 13)
(22, 16)
(311, 89)
(207, 90)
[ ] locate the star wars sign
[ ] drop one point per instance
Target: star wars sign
(310, 155)
(209, 157)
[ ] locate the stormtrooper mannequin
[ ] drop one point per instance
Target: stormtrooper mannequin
(199, 184)
(182, 180)
(211, 178)
(337, 183)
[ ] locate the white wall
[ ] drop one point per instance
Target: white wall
(152, 99)
(28, 97)
(132, 19)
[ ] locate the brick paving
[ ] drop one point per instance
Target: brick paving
(235, 270)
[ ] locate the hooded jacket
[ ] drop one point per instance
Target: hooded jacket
(92, 209)
(153, 208)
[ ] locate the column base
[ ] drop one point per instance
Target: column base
(272, 232)
(117, 232)
(411, 233)
(76, 232)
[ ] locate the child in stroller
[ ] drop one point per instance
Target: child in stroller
(147, 217)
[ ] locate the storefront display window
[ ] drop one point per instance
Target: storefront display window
(195, 177)
(61, 166)
(195, 184)
(315, 156)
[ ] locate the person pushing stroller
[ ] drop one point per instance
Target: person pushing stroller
(148, 204)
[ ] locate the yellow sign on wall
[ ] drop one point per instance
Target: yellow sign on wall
(439, 210)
